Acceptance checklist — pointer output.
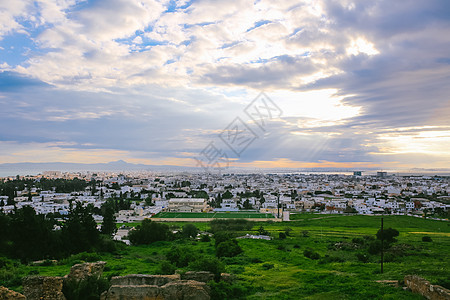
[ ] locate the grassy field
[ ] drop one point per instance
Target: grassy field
(214, 215)
(278, 269)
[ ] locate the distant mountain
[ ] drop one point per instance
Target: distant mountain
(12, 169)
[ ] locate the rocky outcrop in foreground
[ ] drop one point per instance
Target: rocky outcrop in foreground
(43, 287)
(187, 286)
(155, 287)
(7, 294)
(421, 286)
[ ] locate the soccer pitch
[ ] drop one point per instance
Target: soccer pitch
(214, 215)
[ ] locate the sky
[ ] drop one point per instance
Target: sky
(215, 83)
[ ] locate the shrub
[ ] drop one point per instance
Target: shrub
(359, 241)
(426, 239)
(221, 236)
(309, 253)
(190, 230)
(281, 247)
(296, 246)
(267, 266)
(210, 264)
(149, 232)
(262, 231)
(235, 269)
(305, 233)
(87, 289)
(205, 238)
(282, 235)
(388, 257)
(166, 268)
(180, 256)
(362, 257)
(388, 235)
(374, 247)
(331, 259)
(226, 291)
(228, 248)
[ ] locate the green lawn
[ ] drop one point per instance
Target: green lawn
(278, 269)
(215, 215)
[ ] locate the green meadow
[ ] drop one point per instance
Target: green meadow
(341, 267)
(214, 215)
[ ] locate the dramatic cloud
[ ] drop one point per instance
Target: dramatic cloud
(360, 83)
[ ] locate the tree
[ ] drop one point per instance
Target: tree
(262, 231)
(190, 230)
(227, 195)
(388, 235)
(228, 248)
(109, 221)
(247, 204)
(31, 235)
(80, 229)
(149, 232)
(209, 264)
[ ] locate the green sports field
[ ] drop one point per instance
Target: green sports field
(214, 215)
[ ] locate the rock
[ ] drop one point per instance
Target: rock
(131, 292)
(423, 287)
(140, 279)
(185, 290)
(41, 287)
(227, 277)
(7, 294)
(85, 270)
(135, 288)
(201, 276)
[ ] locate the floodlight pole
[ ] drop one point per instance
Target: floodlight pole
(382, 244)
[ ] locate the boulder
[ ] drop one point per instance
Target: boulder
(85, 270)
(185, 290)
(131, 292)
(7, 294)
(140, 279)
(421, 286)
(42, 287)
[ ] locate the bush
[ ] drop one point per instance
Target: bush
(309, 253)
(205, 238)
(267, 266)
(426, 239)
(180, 256)
(281, 247)
(210, 264)
(359, 241)
(374, 247)
(166, 268)
(228, 248)
(87, 289)
(221, 236)
(226, 291)
(362, 257)
(149, 232)
(331, 259)
(189, 230)
(388, 235)
(282, 235)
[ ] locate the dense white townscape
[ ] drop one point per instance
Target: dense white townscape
(149, 193)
